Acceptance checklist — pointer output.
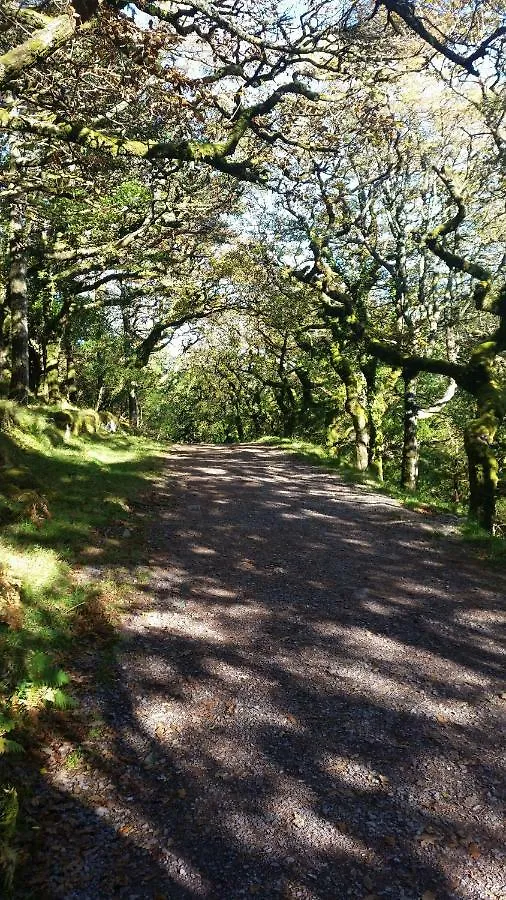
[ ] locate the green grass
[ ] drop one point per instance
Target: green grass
(74, 759)
(491, 548)
(66, 493)
(65, 505)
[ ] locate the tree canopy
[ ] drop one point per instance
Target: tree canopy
(231, 219)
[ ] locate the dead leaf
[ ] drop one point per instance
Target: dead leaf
(298, 820)
(11, 610)
(338, 767)
(429, 895)
(428, 839)
(208, 708)
(442, 719)
(291, 719)
(474, 850)
(126, 829)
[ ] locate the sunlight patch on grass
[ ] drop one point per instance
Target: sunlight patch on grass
(83, 487)
(37, 568)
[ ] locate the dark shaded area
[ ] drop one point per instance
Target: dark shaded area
(306, 705)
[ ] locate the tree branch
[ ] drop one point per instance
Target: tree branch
(40, 44)
(214, 153)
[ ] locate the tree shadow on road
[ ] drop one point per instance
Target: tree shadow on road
(304, 704)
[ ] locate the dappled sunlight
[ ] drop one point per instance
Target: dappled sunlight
(293, 712)
(38, 568)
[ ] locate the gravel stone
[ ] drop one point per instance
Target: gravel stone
(309, 703)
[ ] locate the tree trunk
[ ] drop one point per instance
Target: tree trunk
(4, 346)
(35, 363)
(380, 383)
(17, 286)
(70, 380)
(239, 426)
(410, 448)
(133, 405)
(355, 406)
(483, 466)
(18, 299)
(100, 397)
(51, 372)
(285, 400)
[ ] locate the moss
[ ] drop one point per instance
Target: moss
(56, 32)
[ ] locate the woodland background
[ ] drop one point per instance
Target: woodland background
(226, 220)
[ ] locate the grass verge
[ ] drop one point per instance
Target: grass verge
(66, 515)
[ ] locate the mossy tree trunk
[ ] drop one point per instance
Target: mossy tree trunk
(133, 405)
(479, 441)
(70, 380)
(306, 402)
(18, 300)
(36, 369)
(410, 447)
(239, 427)
(4, 345)
(285, 399)
(356, 406)
(51, 371)
(483, 468)
(380, 383)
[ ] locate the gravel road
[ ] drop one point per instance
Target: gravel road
(306, 704)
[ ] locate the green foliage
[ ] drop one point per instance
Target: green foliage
(7, 745)
(74, 759)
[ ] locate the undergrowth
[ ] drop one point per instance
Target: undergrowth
(65, 505)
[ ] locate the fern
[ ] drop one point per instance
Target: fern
(44, 684)
(6, 744)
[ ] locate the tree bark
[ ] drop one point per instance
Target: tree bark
(51, 372)
(55, 32)
(483, 465)
(378, 386)
(355, 406)
(70, 380)
(35, 363)
(410, 448)
(133, 405)
(4, 346)
(18, 301)
(100, 396)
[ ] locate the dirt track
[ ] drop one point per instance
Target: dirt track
(307, 706)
